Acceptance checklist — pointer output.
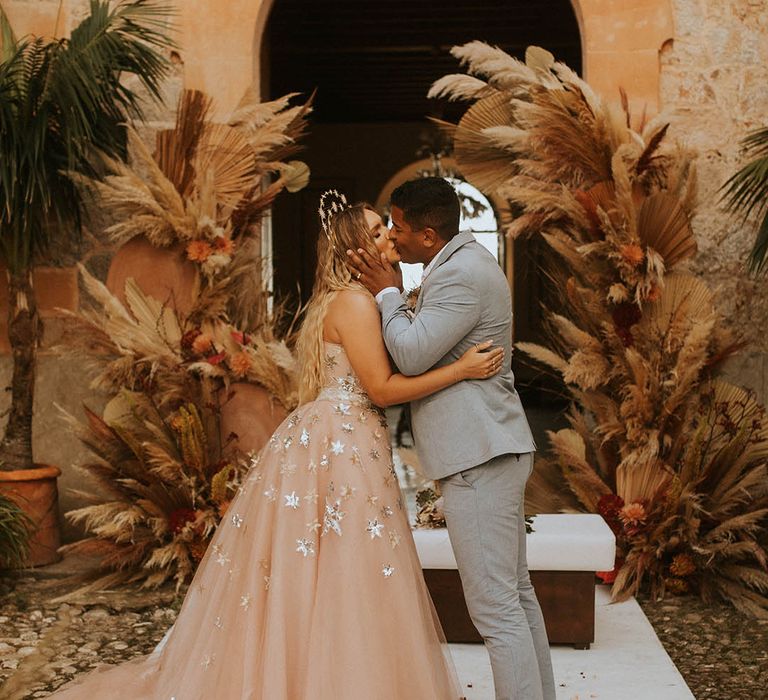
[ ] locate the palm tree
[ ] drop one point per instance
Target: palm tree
(746, 192)
(60, 101)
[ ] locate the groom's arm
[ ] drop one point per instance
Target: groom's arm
(448, 314)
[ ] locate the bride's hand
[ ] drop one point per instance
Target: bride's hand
(480, 362)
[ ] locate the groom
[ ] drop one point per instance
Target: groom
(472, 437)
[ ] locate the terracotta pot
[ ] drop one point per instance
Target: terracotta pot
(163, 273)
(36, 492)
(252, 414)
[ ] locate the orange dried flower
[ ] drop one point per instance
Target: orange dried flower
(202, 344)
(682, 565)
(677, 586)
(223, 245)
(633, 254)
(633, 514)
(655, 293)
(240, 363)
(199, 251)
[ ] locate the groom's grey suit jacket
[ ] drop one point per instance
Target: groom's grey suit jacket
(463, 301)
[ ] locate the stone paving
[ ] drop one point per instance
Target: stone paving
(721, 654)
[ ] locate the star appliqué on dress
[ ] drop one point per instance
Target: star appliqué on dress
(333, 517)
(374, 528)
(305, 547)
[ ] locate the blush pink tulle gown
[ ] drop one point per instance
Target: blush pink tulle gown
(311, 588)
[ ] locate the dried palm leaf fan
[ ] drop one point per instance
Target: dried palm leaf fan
(601, 196)
(727, 468)
(664, 226)
(686, 298)
(196, 148)
(642, 482)
(176, 148)
(226, 155)
(149, 312)
(483, 160)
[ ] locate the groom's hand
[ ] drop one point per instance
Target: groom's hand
(374, 274)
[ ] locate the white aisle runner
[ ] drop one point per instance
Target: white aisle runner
(626, 662)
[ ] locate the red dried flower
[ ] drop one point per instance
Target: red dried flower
(609, 506)
(626, 315)
(240, 337)
(179, 518)
(216, 359)
(223, 245)
(188, 339)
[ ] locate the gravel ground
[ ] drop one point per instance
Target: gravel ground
(108, 627)
(721, 654)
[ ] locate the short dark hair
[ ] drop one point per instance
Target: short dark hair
(429, 202)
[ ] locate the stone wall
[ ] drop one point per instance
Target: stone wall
(714, 87)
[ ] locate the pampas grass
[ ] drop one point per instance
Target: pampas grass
(673, 457)
(158, 453)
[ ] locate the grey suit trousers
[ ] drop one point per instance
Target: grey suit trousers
(485, 518)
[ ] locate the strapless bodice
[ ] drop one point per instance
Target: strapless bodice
(341, 383)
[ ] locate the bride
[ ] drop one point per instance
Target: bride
(311, 588)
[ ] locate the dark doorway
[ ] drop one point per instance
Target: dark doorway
(372, 64)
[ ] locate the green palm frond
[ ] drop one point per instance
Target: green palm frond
(59, 100)
(746, 193)
(15, 529)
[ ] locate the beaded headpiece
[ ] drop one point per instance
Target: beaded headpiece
(331, 203)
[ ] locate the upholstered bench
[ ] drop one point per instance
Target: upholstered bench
(564, 552)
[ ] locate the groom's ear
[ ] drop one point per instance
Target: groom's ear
(430, 237)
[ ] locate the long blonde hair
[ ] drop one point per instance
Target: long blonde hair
(347, 230)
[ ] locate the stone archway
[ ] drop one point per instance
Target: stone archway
(222, 44)
(620, 45)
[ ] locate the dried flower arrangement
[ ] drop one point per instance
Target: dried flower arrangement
(160, 457)
(673, 457)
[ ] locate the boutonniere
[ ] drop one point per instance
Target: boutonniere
(411, 298)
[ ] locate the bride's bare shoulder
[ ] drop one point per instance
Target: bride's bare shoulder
(354, 301)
